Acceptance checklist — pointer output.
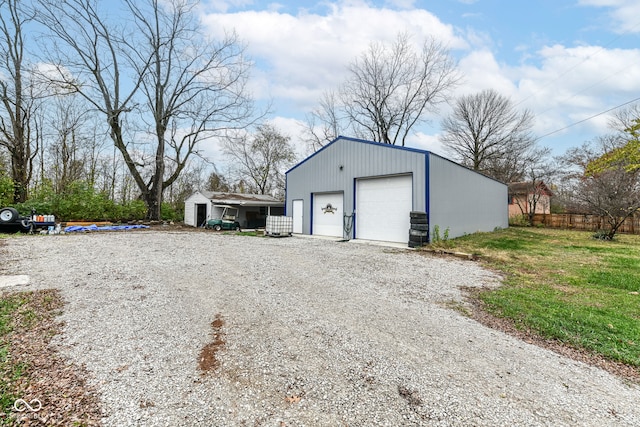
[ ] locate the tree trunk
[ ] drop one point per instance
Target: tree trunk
(20, 176)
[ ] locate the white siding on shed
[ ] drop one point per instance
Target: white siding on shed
(190, 211)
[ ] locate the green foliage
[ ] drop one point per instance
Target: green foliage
(435, 238)
(566, 286)
(80, 201)
(6, 191)
(628, 155)
(171, 213)
(602, 235)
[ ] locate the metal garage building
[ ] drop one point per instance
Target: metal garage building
(359, 189)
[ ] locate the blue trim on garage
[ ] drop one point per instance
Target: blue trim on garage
(286, 179)
(364, 141)
(353, 211)
(310, 214)
(427, 200)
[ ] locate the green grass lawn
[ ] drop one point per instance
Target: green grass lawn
(11, 372)
(566, 286)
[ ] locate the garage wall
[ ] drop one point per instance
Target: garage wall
(463, 200)
(337, 166)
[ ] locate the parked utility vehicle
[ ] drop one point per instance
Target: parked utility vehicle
(11, 221)
(226, 219)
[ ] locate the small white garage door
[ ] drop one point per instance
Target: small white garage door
(328, 214)
(298, 206)
(382, 208)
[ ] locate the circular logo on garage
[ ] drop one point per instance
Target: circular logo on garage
(329, 209)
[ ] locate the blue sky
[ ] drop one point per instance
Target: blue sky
(565, 60)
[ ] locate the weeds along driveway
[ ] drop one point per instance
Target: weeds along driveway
(298, 332)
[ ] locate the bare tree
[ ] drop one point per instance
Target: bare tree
(487, 134)
(389, 91)
(67, 120)
(17, 96)
(624, 119)
(162, 87)
(261, 159)
(217, 182)
(537, 193)
(324, 123)
(613, 193)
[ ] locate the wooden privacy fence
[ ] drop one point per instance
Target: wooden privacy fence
(584, 222)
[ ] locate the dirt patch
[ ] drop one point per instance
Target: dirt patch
(208, 360)
(480, 314)
(58, 385)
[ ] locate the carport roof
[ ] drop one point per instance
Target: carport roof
(242, 199)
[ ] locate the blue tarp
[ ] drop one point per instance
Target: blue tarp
(94, 227)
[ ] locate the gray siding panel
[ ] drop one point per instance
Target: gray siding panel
(359, 159)
(463, 200)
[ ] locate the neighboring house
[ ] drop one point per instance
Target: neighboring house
(360, 189)
(252, 208)
(527, 196)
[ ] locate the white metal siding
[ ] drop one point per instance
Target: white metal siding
(464, 201)
(328, 213)
(382, 208)
(339, 164)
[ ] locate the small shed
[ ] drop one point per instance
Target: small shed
(253, 209)
(357, 189)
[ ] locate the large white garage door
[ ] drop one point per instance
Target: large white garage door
(382, 208)
(328, 214)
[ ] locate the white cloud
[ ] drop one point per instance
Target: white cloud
(573, 84)
(305, 54)
(423, 141)
(482, 71)
(624, 13)
(298, 56)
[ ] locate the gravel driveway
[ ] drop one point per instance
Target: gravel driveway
(299, 332)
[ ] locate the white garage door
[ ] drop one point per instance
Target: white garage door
(382, 208)
(328, 214)
(298, 206)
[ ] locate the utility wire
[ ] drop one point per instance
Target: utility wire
(589, 118)
(573, 67)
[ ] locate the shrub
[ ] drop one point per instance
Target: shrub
(6, 191)
(602, 235)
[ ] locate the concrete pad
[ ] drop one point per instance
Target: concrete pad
(6, 281)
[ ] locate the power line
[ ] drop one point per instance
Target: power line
(573, 67)
(589, 118)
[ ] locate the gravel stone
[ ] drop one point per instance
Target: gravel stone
(310, 332)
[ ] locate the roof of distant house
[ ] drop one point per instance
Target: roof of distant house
(527, 188)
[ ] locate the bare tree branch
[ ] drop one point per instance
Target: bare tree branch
(487, 134)
(161, 86)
